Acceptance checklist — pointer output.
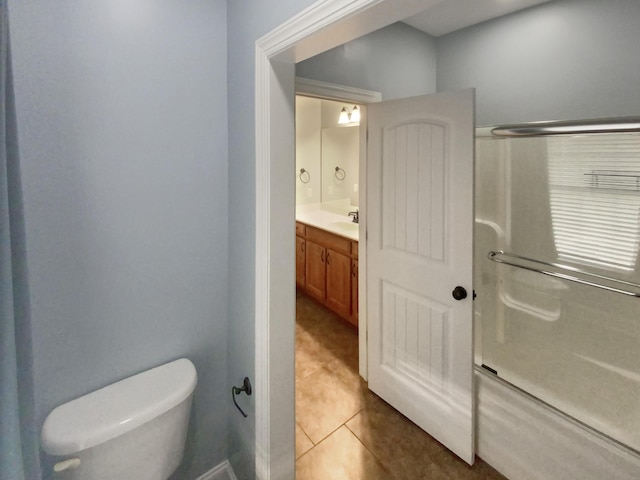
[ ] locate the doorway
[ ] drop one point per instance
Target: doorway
(329, 390)
(347, 96)
(421, 216)
(331, 406)
(329, 24)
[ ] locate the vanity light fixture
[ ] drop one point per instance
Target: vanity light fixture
(349, 117)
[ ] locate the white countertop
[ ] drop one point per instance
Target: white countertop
(330, 219)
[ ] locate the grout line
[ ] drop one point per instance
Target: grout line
(319, 442)
(353, 416)
(305, 432)
(366, 447)
(332, 432)
(309, 374)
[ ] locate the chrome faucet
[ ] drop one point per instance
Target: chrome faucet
(356, 219)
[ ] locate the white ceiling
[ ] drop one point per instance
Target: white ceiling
(450, 15)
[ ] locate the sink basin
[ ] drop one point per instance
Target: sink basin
(345, 226)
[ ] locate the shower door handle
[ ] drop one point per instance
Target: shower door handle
(459, 293)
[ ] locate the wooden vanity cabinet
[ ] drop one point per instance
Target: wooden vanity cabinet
(328, 269)
(300, 261)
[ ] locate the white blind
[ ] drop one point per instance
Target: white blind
(594, 184)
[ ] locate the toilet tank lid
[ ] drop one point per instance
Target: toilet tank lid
(117, 408)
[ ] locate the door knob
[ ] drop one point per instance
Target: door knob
(459, 293)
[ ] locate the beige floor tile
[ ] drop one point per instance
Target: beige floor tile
(340, 457)
(324, 402)
(303, 442)
(395, 441)
(480, 470)
(483, 471)
(408, 451)
(310, 356)
(323, 335)
(315, 349)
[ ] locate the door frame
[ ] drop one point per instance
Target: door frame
(341, 93)
(320, 27)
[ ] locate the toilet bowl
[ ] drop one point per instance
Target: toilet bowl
(135, 428)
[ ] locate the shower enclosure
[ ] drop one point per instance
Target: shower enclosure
(557, 269)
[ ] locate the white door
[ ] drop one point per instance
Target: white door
(420, 239)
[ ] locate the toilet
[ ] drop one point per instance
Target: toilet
(135, 428)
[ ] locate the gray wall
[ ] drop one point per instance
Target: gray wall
(122, 116)
(560, 60)
(398, 61)
(247, 20)
(122, 122)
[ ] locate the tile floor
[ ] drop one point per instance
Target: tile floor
(344, 431)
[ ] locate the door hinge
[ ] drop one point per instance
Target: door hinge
(474, 294)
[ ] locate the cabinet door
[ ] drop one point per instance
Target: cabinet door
(315, 270)
(339, 283)
(354, 292)
(300, 262)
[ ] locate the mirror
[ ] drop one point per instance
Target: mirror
(327, 154)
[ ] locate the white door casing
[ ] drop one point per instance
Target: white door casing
(318, 28)
(420, 247)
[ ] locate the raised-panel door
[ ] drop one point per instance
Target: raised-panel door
(420, 243)
(354, 292)
(339, 283)
(300, 262)
(315, 270)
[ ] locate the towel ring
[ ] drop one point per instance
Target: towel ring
(302, 176)
(340, 173)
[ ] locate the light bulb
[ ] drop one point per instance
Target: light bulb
(355, 114)
(344, 116)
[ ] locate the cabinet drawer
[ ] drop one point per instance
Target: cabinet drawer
(334, 242)
(300, 229)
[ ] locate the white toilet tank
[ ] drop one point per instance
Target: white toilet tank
(133, 429)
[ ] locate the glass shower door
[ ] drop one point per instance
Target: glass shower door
(558, 274)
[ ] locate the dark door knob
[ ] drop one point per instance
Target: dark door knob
(459, 293)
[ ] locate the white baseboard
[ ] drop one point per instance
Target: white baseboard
(223, 471)
(527, 440)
